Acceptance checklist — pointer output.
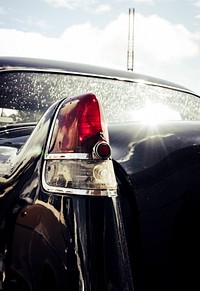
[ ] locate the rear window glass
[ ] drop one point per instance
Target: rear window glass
(25, 96)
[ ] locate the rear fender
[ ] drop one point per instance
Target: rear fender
(130, 217)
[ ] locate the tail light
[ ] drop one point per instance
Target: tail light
(78, 155)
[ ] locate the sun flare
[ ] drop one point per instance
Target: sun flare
(155, 113)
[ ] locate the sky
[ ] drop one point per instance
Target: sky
(166, 34)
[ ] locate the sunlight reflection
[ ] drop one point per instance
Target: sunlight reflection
(154, 113)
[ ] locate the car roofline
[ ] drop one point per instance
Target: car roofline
(56, 66)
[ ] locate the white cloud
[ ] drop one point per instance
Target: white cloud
(149, 2)
(70, 3)
(31, 22)
(162, 49)
(197, 4)
(102, 8)
(165, 41)
(166, 50)
(98, 46)
(27, 44)
(145, 1)
(2, 11)
(42, 24)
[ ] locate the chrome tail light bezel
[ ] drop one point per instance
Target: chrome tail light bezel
(78, 173)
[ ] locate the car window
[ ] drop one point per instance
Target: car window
(25, 96)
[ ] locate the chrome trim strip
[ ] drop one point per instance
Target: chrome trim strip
(68, 156)
(84, 192)
(53, 125)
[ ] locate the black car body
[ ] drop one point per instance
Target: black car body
(74, 216)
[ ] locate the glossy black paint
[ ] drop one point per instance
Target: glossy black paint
(15, 135)
(163, 164)
(83, 243)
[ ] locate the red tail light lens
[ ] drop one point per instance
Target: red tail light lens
(77, 159)
(102, 150)
(79, 126)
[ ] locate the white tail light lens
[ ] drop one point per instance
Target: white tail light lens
(77, 160)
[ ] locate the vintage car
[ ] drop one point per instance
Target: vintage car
(99, 179)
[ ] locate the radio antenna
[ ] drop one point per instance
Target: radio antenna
(130, 52)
